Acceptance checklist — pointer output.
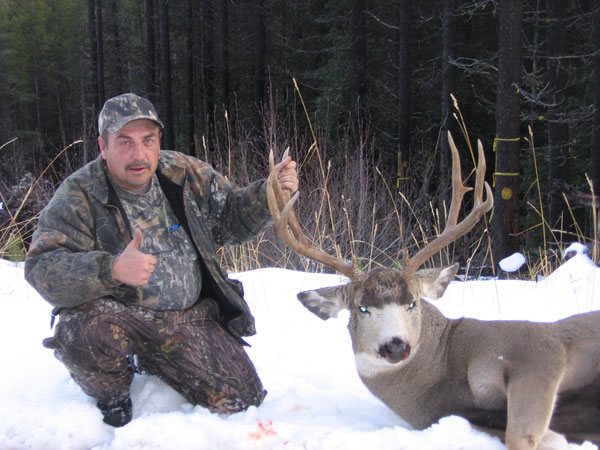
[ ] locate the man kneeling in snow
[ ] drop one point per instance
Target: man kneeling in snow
(126, 252)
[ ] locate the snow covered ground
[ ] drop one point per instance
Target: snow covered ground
(315, 401)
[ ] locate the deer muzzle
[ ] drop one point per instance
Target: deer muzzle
(394, 350)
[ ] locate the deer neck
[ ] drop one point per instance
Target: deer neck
(428, 360)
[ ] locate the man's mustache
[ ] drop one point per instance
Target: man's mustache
(137, 164)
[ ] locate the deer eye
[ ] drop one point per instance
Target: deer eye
(411, 305)
(363, 309)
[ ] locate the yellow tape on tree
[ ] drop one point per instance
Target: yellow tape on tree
(503, 174)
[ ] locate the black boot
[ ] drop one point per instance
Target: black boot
(116, 414)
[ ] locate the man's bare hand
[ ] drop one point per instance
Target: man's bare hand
(132, 266)
(287, 175)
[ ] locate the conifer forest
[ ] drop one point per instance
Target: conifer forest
(363, 93)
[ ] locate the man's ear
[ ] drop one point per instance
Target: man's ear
(102, 146)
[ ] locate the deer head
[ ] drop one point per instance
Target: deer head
(386, 318)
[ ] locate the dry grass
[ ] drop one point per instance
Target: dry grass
(370, 222)
(349, 209)
(18, 225)
(349, 205)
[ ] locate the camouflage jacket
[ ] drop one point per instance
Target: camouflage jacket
(84, 228)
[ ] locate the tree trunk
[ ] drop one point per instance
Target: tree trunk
(224, 67)
(537, 58)
(191, 82)
(258, 85)
(595, 151)
(403, 89)
(119, 83)
(35, 65)
(99, 53)
(558, 129)
(84, 108)
(448, 87)
(505, 225)
(206, 60)
(358, 57)
(165, 76)
(150, 57)
(91, 8)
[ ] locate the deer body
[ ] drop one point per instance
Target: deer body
(523, 376)
(534, 380)
(474, 364)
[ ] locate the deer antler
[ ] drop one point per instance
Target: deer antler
(453, 231)
(289, 229)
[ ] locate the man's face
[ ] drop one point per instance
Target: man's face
(131, 154)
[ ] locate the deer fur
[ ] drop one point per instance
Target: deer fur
(537, 381)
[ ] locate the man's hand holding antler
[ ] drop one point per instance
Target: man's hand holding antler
(287, 174)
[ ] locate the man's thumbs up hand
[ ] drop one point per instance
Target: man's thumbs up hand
(132, 266)
(137, 239)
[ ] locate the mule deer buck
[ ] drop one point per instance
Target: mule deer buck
(533, 382)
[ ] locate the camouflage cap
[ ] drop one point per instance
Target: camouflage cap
(122, 109)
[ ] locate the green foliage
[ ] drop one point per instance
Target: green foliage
(15, 248)
(42, 71)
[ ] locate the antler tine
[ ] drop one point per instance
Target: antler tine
(453, 231)
(458, 188)
(480, 175)
(290, 231)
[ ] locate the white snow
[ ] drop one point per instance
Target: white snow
(576, 247)
(513, 262)
(315, 401)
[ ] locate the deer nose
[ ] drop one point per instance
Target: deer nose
(395, 350)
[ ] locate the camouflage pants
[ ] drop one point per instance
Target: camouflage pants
(190, 350)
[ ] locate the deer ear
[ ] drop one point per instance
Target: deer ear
(325, 302)
(433, 282)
